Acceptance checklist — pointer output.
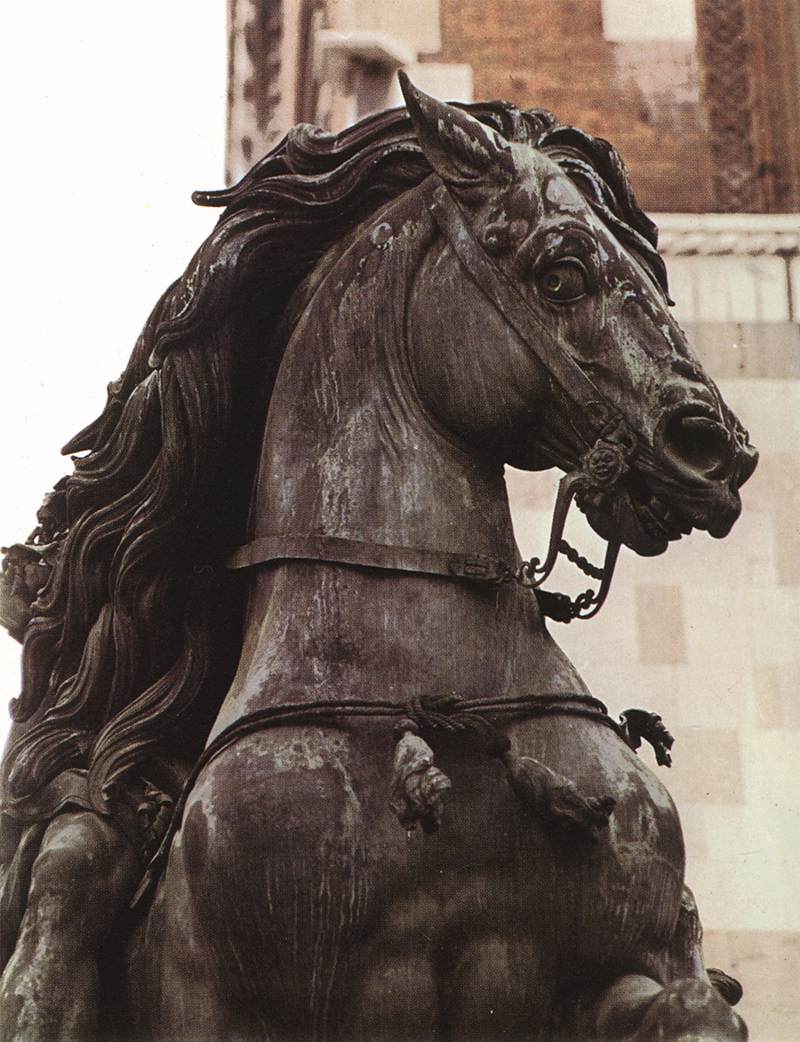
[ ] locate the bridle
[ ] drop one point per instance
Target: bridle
(610, 442)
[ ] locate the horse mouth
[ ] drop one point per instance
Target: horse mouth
(689, 480)
(636, 515)
(696, 445)
(660, 521)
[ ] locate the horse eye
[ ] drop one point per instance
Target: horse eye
(564, 282)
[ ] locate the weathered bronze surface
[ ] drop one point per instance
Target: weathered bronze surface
(318, 771)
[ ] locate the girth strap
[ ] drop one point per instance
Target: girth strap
(337, 550)
(447, 713)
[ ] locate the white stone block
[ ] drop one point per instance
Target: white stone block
(624, 20)
(770, 409)
(417, 23)
(448, 81)
(683, 287)
(794, 283)
(772, 297)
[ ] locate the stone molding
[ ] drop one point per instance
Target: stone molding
(740, 234)
(367, 45)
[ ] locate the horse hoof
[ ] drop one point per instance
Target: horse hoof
(690, 1011)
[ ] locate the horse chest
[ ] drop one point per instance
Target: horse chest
(297, 823)
(346, 632)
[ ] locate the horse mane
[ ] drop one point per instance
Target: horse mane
(135, 636)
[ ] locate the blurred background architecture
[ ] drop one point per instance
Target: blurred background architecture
(702, 97)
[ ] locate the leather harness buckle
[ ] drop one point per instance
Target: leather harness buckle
(476, 568)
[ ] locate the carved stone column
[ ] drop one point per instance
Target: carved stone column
(268, 75)
(723, 46)
(749, 50)
(775, 61)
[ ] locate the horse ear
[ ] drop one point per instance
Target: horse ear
(462, 150)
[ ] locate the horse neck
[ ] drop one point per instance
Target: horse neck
(349, 450)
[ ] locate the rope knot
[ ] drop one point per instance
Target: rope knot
(451, 713)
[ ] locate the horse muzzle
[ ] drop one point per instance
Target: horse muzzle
(706, 457)
(697, 443)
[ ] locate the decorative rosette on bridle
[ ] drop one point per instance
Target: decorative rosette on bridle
(599, 470)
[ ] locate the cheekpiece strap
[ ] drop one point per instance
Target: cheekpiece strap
(606, 460)
(518, 312)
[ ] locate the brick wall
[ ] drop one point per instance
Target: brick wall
(663, 105)
(553, 55)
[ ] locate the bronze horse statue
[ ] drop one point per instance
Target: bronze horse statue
(407, 818)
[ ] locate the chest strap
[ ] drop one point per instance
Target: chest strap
(478, 567)
(337, 550)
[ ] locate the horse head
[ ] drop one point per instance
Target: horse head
(572, 356)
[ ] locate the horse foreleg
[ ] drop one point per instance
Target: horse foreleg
(83, 875)
(638, 1009)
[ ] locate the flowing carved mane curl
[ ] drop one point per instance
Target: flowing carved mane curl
(133, 639)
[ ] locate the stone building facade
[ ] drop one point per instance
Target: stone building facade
(702, 97)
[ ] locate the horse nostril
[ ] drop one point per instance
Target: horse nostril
(748, 459)
(698, 443)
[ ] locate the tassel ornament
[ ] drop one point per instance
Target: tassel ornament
(556, 799)
(418, 787)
